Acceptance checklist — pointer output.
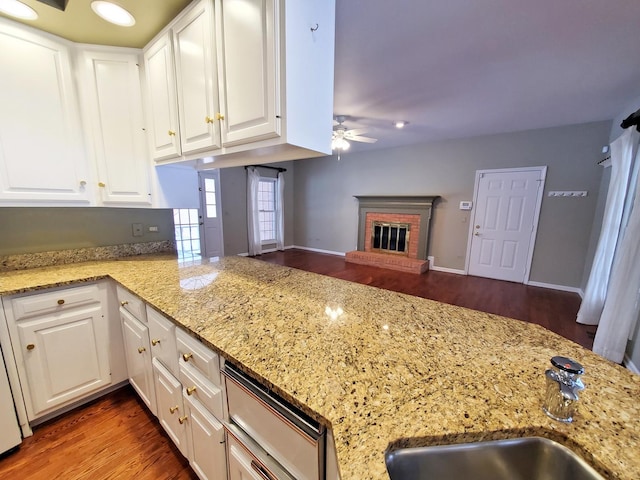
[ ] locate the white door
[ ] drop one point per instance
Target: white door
(504, 224)
(171, 413)
(65, 357)
(196, 80)
(9, 427)
(206, 441)
(248, 71)
(42, 156)
(112, 108)
(162, 99)
(211, 238)
(138, 353)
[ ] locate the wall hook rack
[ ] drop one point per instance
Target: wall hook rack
(314, 29)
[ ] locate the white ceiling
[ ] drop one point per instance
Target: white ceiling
(461, 68)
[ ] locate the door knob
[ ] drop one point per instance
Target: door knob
(173, 410)
(155, 341)
(187, 356)
(61, 301)
(190, 390)
(182, 420)
(141, 349)
(219, 116)
(208, 119)
(172, 133)
(477, 234)
(30, 346)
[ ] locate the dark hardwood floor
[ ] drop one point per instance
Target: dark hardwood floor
(553, 309)
(112, 438)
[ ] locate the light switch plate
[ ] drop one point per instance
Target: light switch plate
(137, 229)
(466, 205)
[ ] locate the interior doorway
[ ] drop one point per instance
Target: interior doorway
(211, 235)
(505, 221)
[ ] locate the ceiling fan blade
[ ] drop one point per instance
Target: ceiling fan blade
(358, 138)
(357, 131)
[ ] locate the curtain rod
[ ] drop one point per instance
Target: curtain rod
(266, 166)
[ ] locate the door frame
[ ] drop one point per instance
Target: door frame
(536, 217)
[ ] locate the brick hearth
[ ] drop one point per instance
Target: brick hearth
(388, 260)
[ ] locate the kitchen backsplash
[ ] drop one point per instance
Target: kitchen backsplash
(60, 257)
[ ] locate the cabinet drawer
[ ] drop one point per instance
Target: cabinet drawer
(284, 432)
(194, 353)
(163, 340)
(52, 302)
(199, 387)
(132, 304)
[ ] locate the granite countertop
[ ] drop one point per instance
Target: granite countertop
(381, 369)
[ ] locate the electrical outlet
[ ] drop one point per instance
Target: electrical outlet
(581, 193)
(153, 229)
(137, 229)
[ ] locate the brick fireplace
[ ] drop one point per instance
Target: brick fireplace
(393, 232)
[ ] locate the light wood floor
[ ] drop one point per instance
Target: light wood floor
(116, 438)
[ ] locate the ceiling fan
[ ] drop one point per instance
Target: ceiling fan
(342, 135)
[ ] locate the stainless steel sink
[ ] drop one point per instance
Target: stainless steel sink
(529, 458)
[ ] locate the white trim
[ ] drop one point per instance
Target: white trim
(552, 286)
(630, 365)
(319, 250)
(432, 266)
(536, 217)
(457, 271)
(271, 250)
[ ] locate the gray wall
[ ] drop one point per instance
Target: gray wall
(41, 229)
(326, 212)
(233, 191)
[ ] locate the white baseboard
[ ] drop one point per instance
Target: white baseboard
(630, 365)
(552, 286)
(268, 250)
(319, 250)
(435, 268)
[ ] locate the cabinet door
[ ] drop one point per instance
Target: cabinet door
(171, 413)
(164, 133)
(112, 107)
(42, 158)
(248, 70)
(138, 353)
(66, 356)
(196, 79)
(206, 442)
(162, 334)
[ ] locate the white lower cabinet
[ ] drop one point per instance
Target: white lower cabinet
(205, 436)
(138, 353)
(65, 357)
(61, 344)
(171, 412)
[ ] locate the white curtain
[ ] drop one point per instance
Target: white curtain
(280, 211)
(620, 311)
(253, 214)
(623, 150)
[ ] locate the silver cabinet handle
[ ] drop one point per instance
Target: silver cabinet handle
(259, 469)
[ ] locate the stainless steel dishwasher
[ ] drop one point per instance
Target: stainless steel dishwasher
(268, 428)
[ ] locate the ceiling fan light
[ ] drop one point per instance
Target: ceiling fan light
(17, 9)
(339, 144)
(113, 13)
(401, 124)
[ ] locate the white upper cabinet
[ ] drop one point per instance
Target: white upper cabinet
(251, 76)
(162, 104)
(196, 82)
(41, 149)
(248, 54)
(112, 109)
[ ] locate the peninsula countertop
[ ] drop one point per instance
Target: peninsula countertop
(381, 369)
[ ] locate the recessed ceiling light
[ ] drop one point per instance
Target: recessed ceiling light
(113, 13)
(17, 9)
(401, 124)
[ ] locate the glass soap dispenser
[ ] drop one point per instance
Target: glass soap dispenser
(563, 385)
